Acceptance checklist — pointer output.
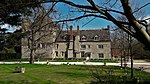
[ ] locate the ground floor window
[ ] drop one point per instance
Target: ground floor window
(56, 53)
(82, 53)
(62, 53)
(100, 55)
(88, 54)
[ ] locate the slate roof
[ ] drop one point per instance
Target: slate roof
(90, 35)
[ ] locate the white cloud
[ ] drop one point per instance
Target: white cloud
(10, 28)
(148, 21)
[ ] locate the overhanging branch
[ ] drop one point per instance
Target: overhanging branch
(80, 17)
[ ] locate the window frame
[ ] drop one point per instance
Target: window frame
(100, 46)
(101, 55)
(83, 38)
(81, 46)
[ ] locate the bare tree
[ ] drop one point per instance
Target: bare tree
(109, 10)
(39, 29)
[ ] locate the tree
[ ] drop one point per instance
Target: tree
(12, 10)
(124, 44)
(39, 29)
(108, 10)
(13, 40)
(2, 38)
(120, 44)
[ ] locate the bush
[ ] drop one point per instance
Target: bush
(108, 76)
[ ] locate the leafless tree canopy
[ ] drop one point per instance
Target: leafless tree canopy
(38, 28)
(110, 10)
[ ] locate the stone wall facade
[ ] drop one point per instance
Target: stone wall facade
(73, 44)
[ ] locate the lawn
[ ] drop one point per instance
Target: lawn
(58, 74)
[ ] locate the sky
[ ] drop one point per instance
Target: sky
(94, 24)
(98, 23)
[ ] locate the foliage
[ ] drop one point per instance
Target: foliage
(10, 45)
(139, 52)
(14, 39)
(6, 50)
(113, 76)
(12, 10)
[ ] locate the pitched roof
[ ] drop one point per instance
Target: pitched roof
(87, 35)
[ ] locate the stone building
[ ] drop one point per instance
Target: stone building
(79, 44)
(40, 36)
(71, 44)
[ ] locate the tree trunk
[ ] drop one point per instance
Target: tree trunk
(131, 65)
(31, 57)
(121, 60)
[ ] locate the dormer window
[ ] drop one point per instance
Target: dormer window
(65, 37)
(96, 37)
(83, 38)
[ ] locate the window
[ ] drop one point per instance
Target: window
(62, 53)
(96, 37)
(101, 55)
(88, 46)
(43, 45)
(83, 38)
(100, 46)
(56, 53)
(88, 54)
(39, 45)
(57, 46)
(82, 53)
(83, 46)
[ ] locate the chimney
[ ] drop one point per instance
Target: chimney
(108, 27)
(78, 30)
(71, 33)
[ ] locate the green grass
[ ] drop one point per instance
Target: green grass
(58, 74)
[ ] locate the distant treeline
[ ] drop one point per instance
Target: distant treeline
(6, 56)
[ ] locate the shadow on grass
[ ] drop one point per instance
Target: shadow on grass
(26, 82)
(72, 74)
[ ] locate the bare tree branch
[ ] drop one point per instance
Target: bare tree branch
(141, 7)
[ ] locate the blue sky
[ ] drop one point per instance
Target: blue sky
(96, 23)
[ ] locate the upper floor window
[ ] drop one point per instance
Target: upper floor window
(41, 45)
(88, 46)
(83, 46)
(100, 46)
(83, 38)
(96, 37)
(57, 45)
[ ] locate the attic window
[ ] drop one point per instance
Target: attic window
(96, 37)
(83, 38)
(65, 37)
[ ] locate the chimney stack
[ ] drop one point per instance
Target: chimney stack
(71, 33)
(78, 30)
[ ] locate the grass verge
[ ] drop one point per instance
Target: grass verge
(60, 74)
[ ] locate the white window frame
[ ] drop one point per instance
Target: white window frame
(100, 46)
